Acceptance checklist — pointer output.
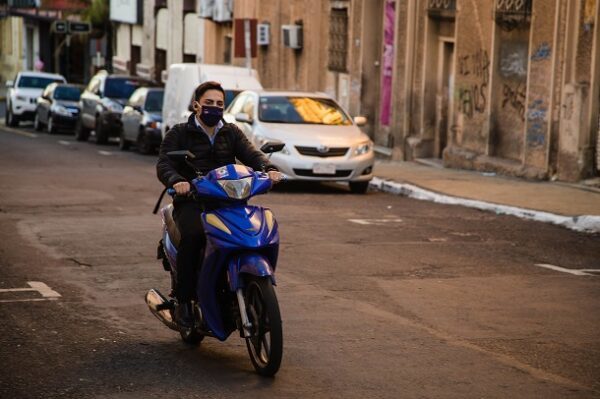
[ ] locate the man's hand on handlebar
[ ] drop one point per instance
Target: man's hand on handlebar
(182, 188)
(275, 176)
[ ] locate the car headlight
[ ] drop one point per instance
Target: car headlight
(60, 110)
(21, 98)
(237, 189)
(260, 140)
(363, 148)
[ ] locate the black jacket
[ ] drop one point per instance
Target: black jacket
(229, 144)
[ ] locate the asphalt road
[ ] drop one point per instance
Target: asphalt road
(381, 296)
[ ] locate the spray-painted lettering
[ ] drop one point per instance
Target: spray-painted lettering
(515, 97)
(536, 116)
(543, 52)
(472, 98)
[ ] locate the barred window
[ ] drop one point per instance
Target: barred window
(338, 39)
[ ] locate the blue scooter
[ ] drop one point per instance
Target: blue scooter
(235, 284)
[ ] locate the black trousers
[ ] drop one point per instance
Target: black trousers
(191, 247)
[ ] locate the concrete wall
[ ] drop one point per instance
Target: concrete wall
(11, 44)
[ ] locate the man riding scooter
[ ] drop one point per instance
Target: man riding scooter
(214, 144)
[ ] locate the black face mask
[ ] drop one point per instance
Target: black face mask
(211, 115)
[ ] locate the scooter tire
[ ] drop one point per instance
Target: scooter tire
(263, 312)
(191, 336)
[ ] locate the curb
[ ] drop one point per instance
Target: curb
(583, 223)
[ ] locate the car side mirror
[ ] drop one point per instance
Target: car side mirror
(9, 83)
(272, 146)
(180, 156)
(244, 118)
(360, 120)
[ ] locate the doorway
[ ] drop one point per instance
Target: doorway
(444, 98)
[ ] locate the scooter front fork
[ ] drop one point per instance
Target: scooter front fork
(246, 325)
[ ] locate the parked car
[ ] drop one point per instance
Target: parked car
(22, 94)
(141, 119)
(322, 143)
(102, 103)
(182, 80)
(58, 107)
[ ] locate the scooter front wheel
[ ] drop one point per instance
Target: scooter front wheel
(265, 345)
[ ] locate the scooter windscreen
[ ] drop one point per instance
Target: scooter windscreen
(234, 182)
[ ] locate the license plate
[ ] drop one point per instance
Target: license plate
(324, 169)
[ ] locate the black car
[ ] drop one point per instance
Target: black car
(102, 104)
(141, 119)
(58, 107)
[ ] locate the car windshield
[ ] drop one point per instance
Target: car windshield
(67, 93)
(312, 110)
(154, 101)
(120, 87)
(36, 82)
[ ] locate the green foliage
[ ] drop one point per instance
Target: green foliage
(97, 12)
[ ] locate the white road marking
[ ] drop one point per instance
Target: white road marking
(107, 153)
(27, 300)
(19, 132)
(374, 221)
(64, 142)
(576, 272)
(46, 292)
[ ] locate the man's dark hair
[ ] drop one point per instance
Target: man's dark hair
(206, 86)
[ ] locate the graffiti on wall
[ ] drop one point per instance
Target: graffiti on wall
(513, 60)
(515, 97)
(536, 116)
(472, 98)
(542, 52)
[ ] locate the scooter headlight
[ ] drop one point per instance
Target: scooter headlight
(237, 189)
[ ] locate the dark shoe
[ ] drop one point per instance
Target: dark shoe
(184, 315)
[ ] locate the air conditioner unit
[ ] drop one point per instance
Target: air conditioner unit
(263, 34)
(292, 36)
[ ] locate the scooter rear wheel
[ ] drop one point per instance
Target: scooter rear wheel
(191, 335)
(265, 346)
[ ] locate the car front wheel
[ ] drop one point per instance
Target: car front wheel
(11, 119)
(359, 187)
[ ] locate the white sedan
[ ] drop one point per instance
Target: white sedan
(322, 143)
(23, 92)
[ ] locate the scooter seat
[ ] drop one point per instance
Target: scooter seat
(172, 229)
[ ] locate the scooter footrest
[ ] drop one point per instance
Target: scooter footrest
(170, 305)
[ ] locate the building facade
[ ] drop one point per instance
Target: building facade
(511, 86)
(151, 35)
(496, 85)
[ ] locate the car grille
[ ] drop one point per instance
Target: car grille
(309, 173)
(322, 152)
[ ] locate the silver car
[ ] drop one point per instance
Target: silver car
(322, 143)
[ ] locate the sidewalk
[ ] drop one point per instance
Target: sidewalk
(572, 205)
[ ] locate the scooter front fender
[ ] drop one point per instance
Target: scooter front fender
(248, 263)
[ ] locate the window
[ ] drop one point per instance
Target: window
(301, 110)
(154, 101)
(67, 93)
(338, 39)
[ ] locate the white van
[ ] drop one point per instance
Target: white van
(182, 80)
